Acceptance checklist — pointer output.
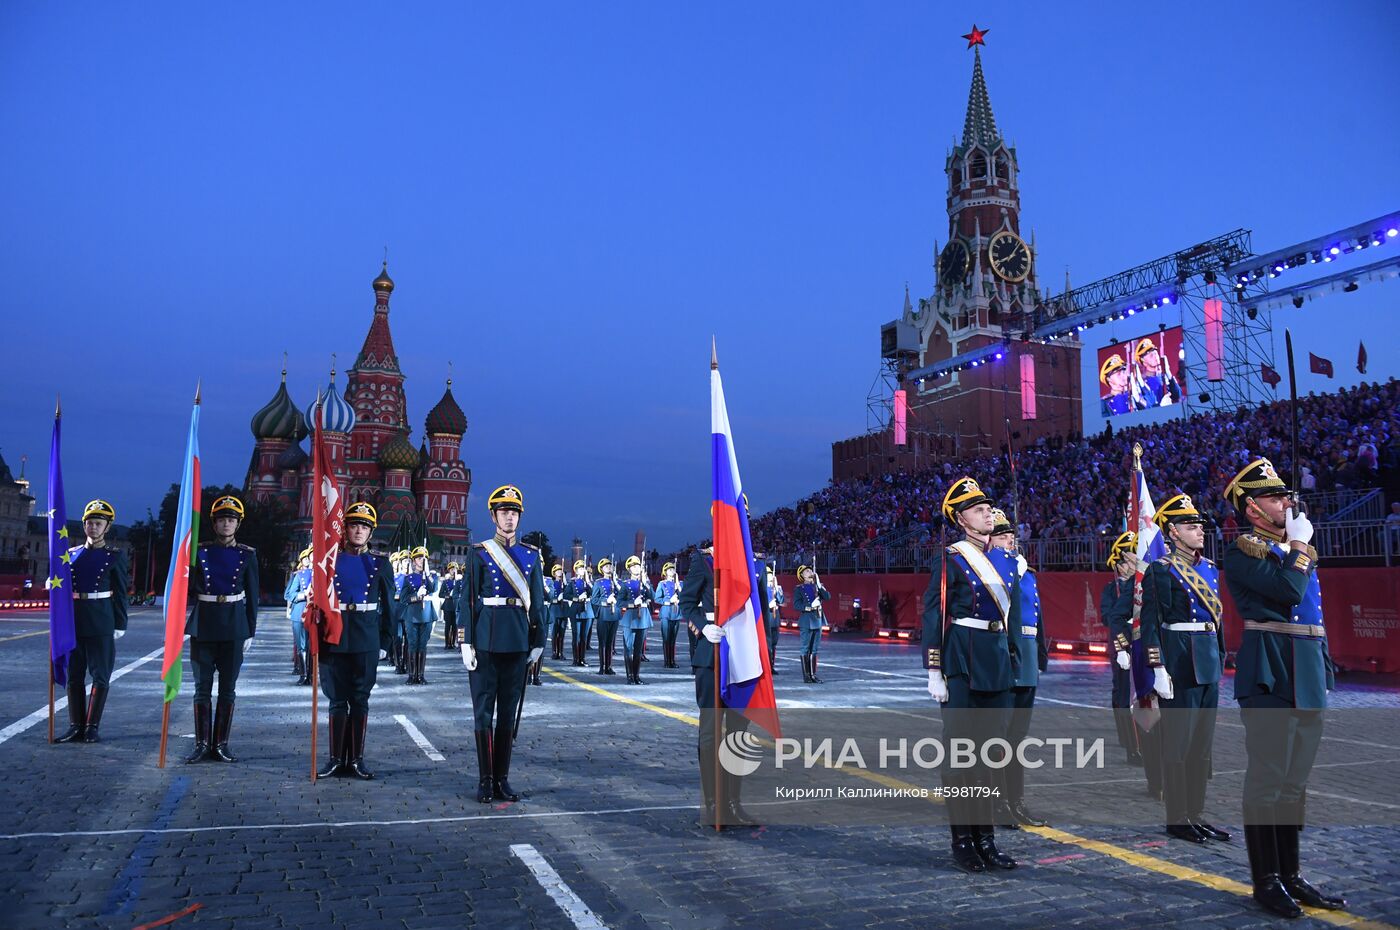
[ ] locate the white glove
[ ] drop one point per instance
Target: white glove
(383, 654)
(118, 634)
(1162, 682)
(713, 632)
(1021, 565)
(1124, 662)
(1298, 527)
(422, 591)
(469, 657)
(637, 602)
(247, 644)
(937, 686)
(535, 655)
(675, 600)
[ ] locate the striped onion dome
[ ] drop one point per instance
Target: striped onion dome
(278, 417)
(399, 453)
(447, 417)
(339, 416)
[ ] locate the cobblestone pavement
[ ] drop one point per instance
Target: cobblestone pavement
(98, 836)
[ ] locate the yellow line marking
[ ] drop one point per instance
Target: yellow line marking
(1127, 856)
(6, 639)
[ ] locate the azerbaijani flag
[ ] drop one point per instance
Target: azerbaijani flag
(182, 556)
(746, 680)
(63, 634)
(1150, 548)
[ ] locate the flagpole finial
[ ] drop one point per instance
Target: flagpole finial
(714, 356)
(1137, 455)
(284, 366)
(57, 406)
(198, 389)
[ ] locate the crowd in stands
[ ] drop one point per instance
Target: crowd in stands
(1348, 440)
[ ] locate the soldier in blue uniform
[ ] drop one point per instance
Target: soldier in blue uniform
(295, 594)
(605, 609)
(635, 595)
(774, 600)
(1116, 612)
(99, 619)
(222, 622)
(419, 593)
(558, 614)
(972, 602)
(1283, 672)
(668, 597)
(807, 600)
(697, 604)
(579, 597)
(1185, 646)
(1159, 388)
(364, 584)
(1113, 374)
(1028, 639)
(402, 565)
(448, 594)
(502, 605)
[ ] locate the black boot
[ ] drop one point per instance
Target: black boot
(734, 812)
(298, 664)
(94, 712)
(358, 724)
(223, 721)
(773, 660)
(1174, 799)
(500, 766)
(1002, 815)
(77, 713)
(335, 766)
(637, 670)
(1298, 888)
(483, 767)
(1264, 863)
(816, 679)
(984, 839)
(535, 671)
(305, 669)
(1198, 773)
(1023, 815)
(201, 733)
(422, 666)
(806, 668)
(965, 854)
(402, 650)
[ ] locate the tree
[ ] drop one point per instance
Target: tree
(266, 527)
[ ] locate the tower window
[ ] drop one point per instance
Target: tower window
(977, 167)
(957, 177)
(1003, 171)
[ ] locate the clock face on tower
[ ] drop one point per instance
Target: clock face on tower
(952, 265)
(1009, 257)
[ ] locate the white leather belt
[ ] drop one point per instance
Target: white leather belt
(221, 598)
(1287, 629)
(94, 596)
(1190, 627)
(359, 608)
(1028, 631)
(973, 623)
(502, 602)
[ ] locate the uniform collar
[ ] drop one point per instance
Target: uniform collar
(1272, 535)
(89, 544)
(356, 550)
(1185, 555)
(505, 541)
(232, 541)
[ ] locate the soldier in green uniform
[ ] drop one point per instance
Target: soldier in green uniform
(223, 620)
(1282, 675)
(502, 607)
(1185, 645)
(1116, 612)
(971, 603)
(99, 619)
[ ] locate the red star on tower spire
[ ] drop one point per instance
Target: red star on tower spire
(976, 36)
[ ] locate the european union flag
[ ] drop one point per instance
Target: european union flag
(63, 637)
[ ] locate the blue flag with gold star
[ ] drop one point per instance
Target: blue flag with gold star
(63, 637)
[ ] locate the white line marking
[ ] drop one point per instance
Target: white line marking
(557, 889)
(417, 736)
(19, 726)
(321, 824)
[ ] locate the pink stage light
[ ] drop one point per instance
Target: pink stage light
(1215, 340)
(1027, 386)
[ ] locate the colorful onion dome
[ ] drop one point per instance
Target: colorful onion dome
(278, 417)
(399, 453)
(338, 417)
(292, 457)
(447, 417)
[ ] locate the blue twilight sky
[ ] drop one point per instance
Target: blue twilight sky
(576, 196)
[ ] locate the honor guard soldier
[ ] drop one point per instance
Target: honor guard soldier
(635, 595)
(579, 597)
(448, 595)
(697, 604)
(1283, 672)
(606, 611)
(668, 596)
(1028, 639)
(298, 586)
(222, 623)
(502, 606)
(1113, 374)
(772, 617)
(807, 599)
(364, 585)
(558, 615)
(970, 606)
(419, 597)
(99, 620)
(1185, 649)
(1116, 612)
(402, 566)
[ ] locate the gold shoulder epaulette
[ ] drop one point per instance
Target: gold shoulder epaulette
(246, 547)
(1252, 546)
(528, 546)
(479, 545)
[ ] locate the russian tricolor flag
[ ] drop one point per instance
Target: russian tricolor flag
(746, 680)
(1150, 548)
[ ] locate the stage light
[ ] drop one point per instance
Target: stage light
(1335, 250)
(1392, 232)
(999, 356)
(1169, 299)
(1205, 397)
(1252, 312)
(1210, 276)
(1362, 241)
(1376, 238)
(1278, 269)
(1327, 257)
(1298, 301)
(1351, 286)
(1131, 311)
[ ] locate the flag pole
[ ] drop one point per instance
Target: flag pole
(714, 653)
(164, 733)
(57, 413)
(315, 712)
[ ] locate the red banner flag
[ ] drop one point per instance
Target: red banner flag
(1271, 377)
(327, 524)
(1320, 365)
(1361, 358)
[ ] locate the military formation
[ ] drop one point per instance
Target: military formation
(984, 647)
